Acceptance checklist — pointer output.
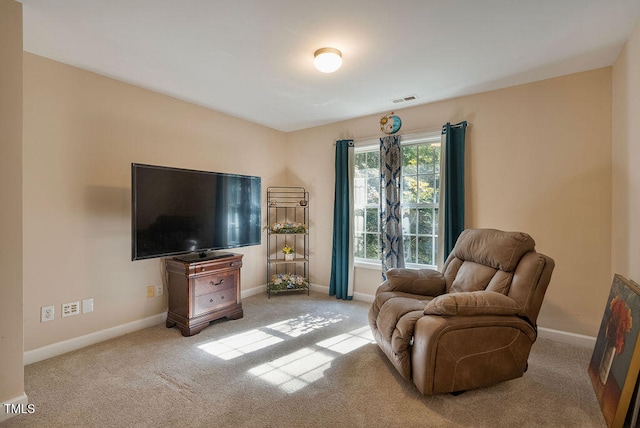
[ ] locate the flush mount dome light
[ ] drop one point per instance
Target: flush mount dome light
(327, 60)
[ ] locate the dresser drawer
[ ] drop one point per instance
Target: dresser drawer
(227, 263)
(214, 301)
(215, 282)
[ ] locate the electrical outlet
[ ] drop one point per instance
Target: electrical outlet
(87, 305)
(159, 290)
(47, 313)
(151, 291)
(69, 309)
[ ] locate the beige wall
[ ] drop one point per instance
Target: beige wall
(82, 131)
(625, 254)
(538, 160)
(11, 368)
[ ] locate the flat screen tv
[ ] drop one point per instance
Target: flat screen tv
(192, 213)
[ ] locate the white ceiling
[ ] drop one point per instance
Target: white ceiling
(253, 59)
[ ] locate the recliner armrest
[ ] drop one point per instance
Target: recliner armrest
(472, 303)
(425, 282)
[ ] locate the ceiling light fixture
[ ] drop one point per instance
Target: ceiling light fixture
(327, 60)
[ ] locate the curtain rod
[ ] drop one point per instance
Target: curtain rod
(459, 125)
(410, 134)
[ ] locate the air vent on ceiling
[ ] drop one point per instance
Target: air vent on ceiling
(405, 99)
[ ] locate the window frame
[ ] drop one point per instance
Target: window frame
(413, 139)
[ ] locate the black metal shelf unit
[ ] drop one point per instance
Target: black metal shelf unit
(287, 232)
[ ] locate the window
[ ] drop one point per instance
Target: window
(420, 198)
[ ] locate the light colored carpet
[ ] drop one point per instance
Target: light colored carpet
(292, 361)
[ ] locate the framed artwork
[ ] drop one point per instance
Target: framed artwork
(615, 362)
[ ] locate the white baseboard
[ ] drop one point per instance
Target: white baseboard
(567, 337)
(253, 291)
(65, 346)
(17, 403)
(356, 296)
(320, 288)
(369, 298)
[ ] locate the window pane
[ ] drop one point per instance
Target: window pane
(409, 160)
(426, 159)
(360, 164)
(435, 220)
(359, 191)
(373, 243)
(409, 189)
(425, 250)
(358, 220)
(358, 245)
(425, 221)
(435, 249)
(373, 160)
(427, 188)
(372, 220)
(373, 189)
(409, 249)
(409, 217)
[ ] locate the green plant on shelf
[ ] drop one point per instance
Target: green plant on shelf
(287, 281)
(287, 227)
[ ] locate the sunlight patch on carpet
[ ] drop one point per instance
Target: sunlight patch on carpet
(304, 324)
(240, 344)
(347, 342)
(253, 340)
(293, 372)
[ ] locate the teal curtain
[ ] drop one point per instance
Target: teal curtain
(341, 283)
(453, 136)
(390, 210)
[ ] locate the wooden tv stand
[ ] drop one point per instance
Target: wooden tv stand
(203, 291)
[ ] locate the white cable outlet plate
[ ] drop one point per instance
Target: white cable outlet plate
(47, 313)
(69, 309)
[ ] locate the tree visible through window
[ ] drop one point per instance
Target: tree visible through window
(420, 199)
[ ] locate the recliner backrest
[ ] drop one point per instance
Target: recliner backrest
(504, 262)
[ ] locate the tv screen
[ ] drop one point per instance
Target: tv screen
(179, 211)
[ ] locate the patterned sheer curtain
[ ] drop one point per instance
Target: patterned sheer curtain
(341, 282)
(451, 212)
(390, 211)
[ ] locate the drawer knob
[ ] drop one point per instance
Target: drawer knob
(216, 283)
(210, 300)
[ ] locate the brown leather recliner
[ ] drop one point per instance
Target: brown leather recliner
(472, 325)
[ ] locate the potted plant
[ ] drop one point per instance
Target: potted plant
(288, 253)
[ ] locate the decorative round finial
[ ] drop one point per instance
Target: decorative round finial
(390, 123)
